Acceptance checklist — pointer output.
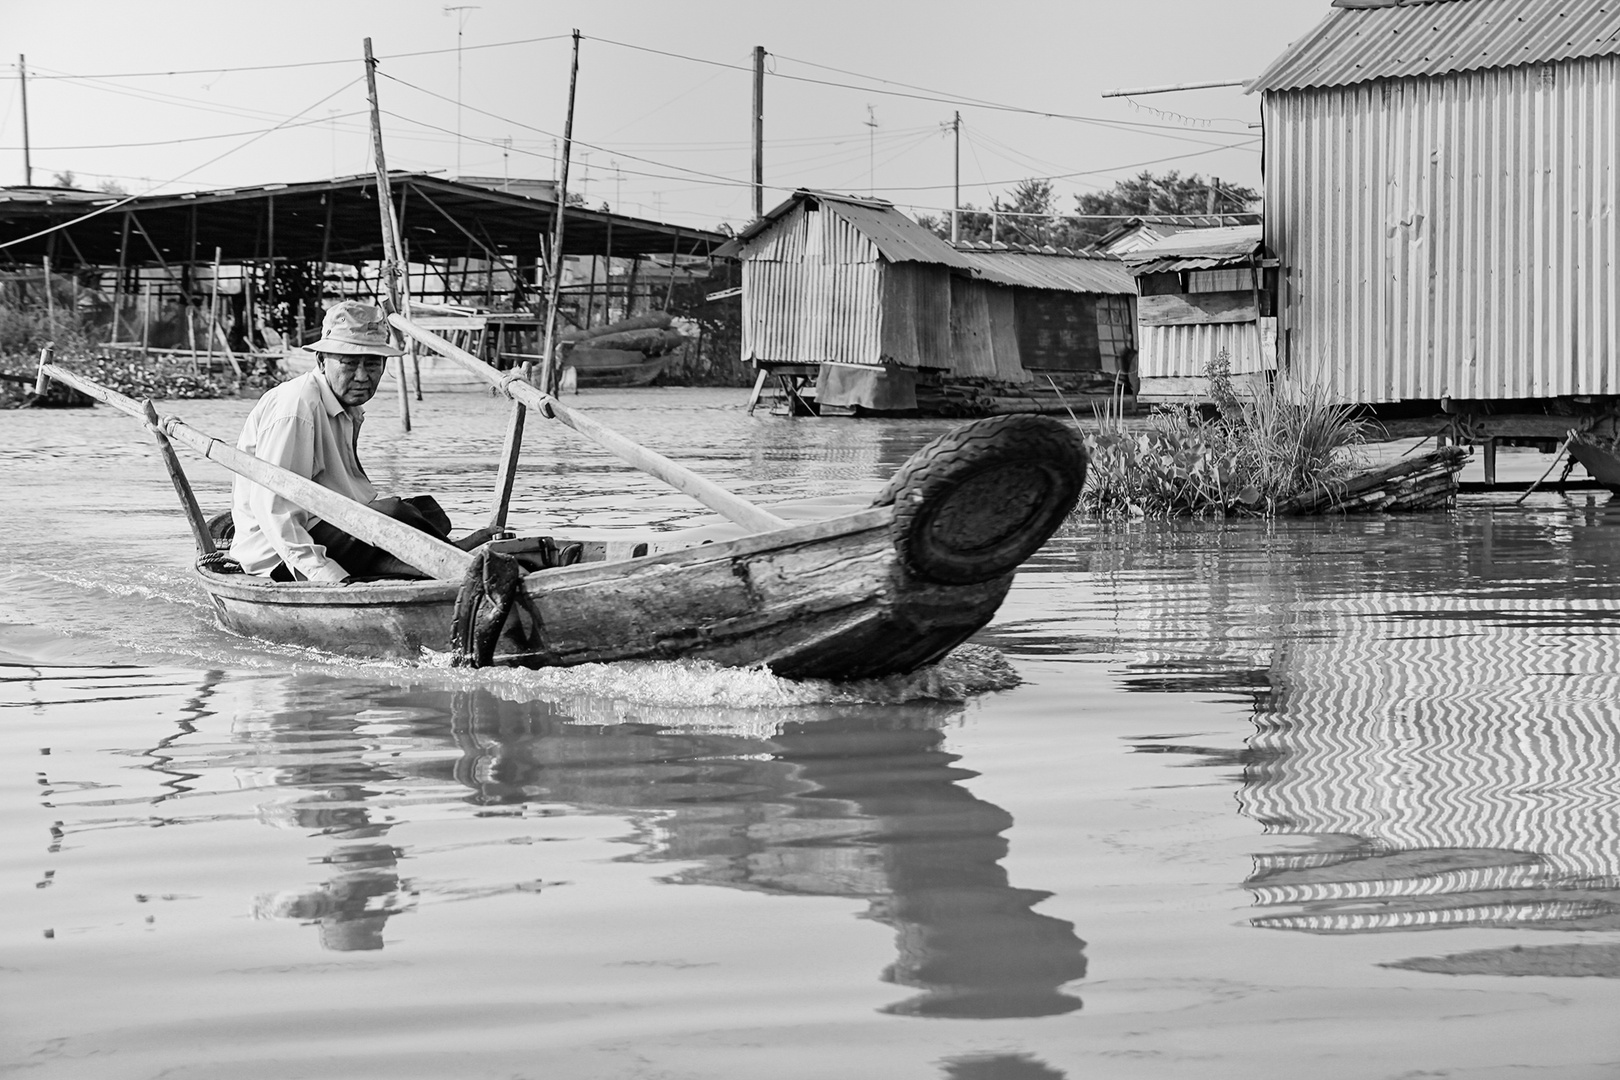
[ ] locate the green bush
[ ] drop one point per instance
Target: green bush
(1257, 450)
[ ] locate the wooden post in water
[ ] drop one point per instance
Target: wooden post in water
(50, 302)
(390, 226)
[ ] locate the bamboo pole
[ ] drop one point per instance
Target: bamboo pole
(549, 372)
(50, 301)
(427, 553)
(213, 312)
(513, 444)
(733, 507)
(182, 486)
(390, 226)
(118, 282)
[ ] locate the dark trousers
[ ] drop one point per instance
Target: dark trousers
(362, 560)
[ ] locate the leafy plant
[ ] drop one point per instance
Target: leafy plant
(1257, 450)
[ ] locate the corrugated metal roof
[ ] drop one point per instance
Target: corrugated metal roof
(897, 237)
(1196, 249)
(1064, 273)
(1377, 39)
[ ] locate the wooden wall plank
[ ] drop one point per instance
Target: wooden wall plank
(1186, 309)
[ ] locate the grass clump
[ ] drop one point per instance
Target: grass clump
(1251, 453)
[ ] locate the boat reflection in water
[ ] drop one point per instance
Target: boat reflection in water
(860, 801)
(352, 906)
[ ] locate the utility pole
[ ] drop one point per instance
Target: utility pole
(871, 150)
(759, 132)
(956, 187)
(461, 13)
(28, 162)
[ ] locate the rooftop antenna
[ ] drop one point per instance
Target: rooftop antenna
(871, 150)
(506, 159)
(462, 13)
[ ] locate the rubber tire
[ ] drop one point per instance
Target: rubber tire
(980, 499)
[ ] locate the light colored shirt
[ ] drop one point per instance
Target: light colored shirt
(302, 427)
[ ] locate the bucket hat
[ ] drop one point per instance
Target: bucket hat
(355, 329)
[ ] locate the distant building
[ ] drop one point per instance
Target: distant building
(1442, 192)
(854, 296)
(1139, 232)
(1204, 300)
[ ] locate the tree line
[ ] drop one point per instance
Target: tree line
(1029, 215)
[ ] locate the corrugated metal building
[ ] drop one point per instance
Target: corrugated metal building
(859, 296)
(1441, 179)
(1024, 313)
(1204, 296)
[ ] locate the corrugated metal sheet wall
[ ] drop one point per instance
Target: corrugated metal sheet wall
(1186, 351)
(813, 293)
(1452, 236)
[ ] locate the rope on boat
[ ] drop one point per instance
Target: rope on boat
(218, 562)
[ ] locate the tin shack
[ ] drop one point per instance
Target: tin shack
(849, 305)
(1441, 180)
(1204, 302)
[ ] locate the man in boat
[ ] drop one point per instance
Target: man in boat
(310, 425)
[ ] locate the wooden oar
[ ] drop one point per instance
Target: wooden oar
(716, 498)
(426, 553)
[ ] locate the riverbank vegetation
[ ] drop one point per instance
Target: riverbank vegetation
(1253, 451)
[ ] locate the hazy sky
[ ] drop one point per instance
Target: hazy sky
(662, 123)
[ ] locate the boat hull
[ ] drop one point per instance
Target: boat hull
(828, 599)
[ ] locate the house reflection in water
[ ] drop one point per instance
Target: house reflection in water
(855, 801)
(1450, 754)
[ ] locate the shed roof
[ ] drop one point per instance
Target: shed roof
(334, 218)
(897, 237)
(1197, 249)
(1104, 275)
(1362, 40)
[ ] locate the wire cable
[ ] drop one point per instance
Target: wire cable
(174, 180)
(295, 64)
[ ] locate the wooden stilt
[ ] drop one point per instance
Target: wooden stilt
(1489, 458)
(759, 388)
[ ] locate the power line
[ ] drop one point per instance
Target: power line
(193, 138)
(295, 64)
(217, 157)
(543, 131)
(922, 94)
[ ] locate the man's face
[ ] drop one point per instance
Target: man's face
(353, 379)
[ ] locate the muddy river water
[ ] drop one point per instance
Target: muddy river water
(1334, 798)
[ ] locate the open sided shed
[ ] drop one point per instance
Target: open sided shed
(327, 221)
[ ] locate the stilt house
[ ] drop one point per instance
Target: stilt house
(854, 296)
(1441, 189)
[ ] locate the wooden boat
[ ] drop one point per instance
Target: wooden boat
(821, 600)
(881, 591)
